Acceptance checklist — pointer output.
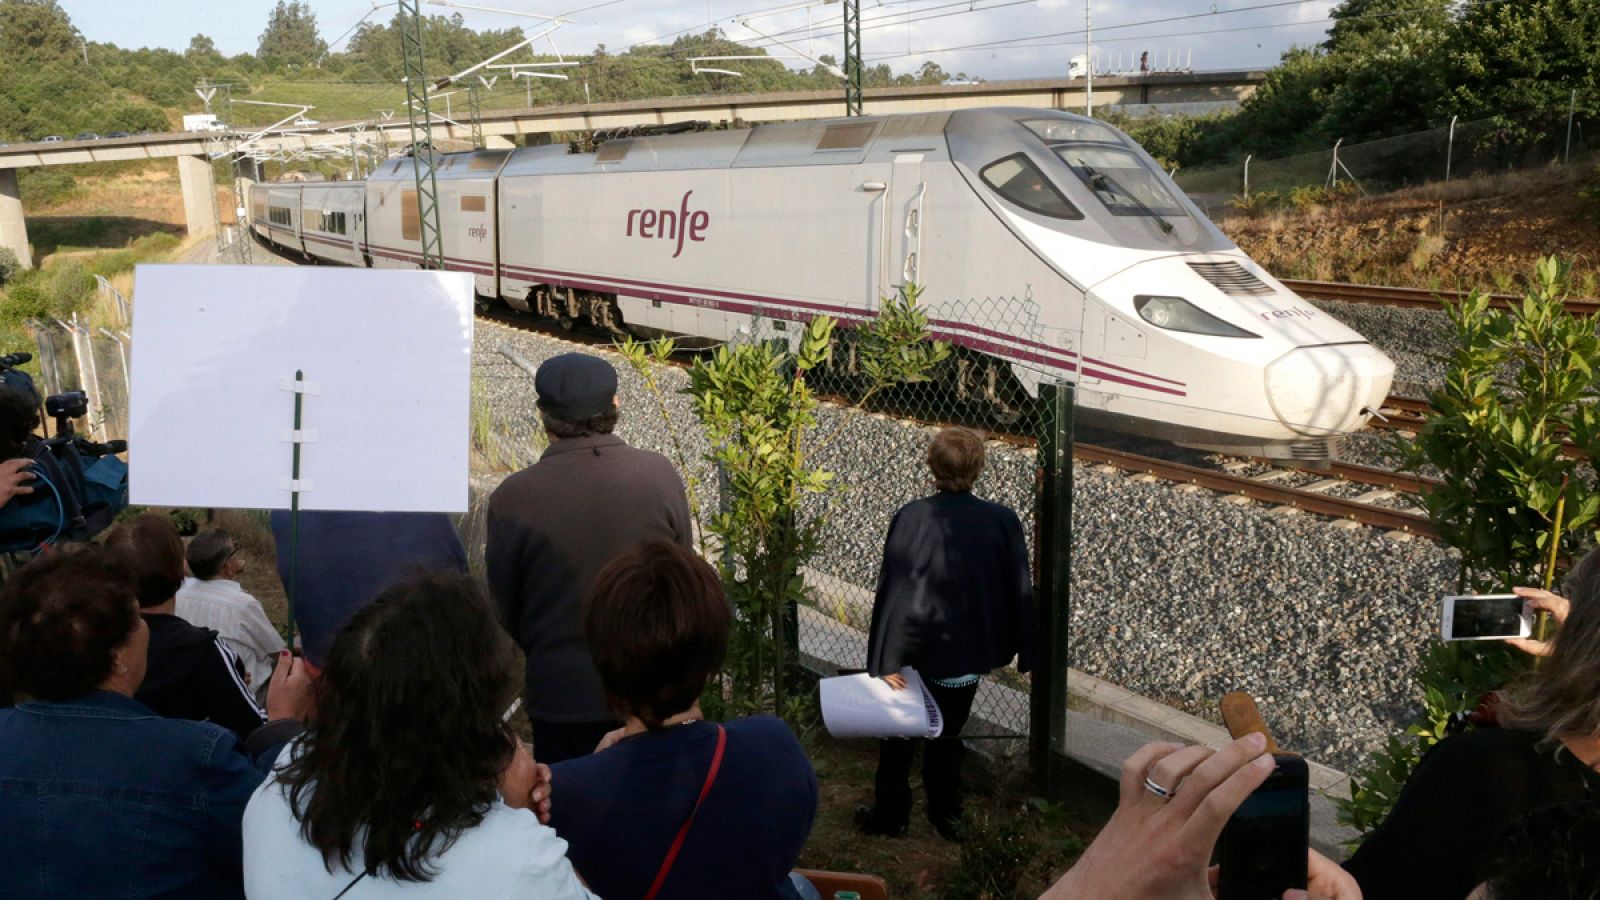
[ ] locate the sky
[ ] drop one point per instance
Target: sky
(1200, 34)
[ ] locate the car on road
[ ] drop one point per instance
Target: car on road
(87, 136)
(52, 139)
(119, 134)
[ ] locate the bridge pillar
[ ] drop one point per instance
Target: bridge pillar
(13, 227)
(199, 190)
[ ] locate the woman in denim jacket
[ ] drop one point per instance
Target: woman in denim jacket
(99, 796)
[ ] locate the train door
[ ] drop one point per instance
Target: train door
(903, 244)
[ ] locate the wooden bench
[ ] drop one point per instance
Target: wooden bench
(870, 887)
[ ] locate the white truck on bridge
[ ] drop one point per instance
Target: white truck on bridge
(203, 122)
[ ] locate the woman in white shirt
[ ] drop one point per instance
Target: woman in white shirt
(408, 782)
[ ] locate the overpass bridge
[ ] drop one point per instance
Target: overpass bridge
(509, 127)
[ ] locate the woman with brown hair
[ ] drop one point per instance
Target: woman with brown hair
(671, 805)
(1470, 789)
(409, 782)
(954, 602)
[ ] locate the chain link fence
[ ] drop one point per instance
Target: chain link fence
(1522, 139)
(873, 441)
(75, 354)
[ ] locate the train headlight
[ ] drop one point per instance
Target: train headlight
(1178, 314)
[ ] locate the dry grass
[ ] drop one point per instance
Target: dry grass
(1472, 232)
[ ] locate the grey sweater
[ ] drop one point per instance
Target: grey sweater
(552, 527)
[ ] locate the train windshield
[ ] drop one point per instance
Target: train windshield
(1120, 180)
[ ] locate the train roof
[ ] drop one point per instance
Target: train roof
(810, 143)
(473, 165)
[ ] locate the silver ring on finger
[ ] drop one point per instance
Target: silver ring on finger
(1164, 793)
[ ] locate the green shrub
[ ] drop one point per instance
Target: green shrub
(9, 266)
(1509, 498)
(1257, 203)
(70, 287)
(24, 299)
(46, 186)
(1592, 194)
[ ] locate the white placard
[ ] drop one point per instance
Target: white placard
(863, 706)
(387, 357)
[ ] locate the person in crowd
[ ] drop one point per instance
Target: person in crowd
(99, 796)
(1553, 854)
(408, 782)
(1468, 789)
(345, 559)
(554, 525)
(1158, 846)
(213, 599)
(674, 806)
(19, 415)
(193, 673)
(954, 601)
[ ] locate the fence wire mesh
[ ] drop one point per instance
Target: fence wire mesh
(1521, 139)
(91, 355)
(874, 441)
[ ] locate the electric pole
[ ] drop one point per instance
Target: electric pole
(852, 57)
(1088, 60)
(427, 182)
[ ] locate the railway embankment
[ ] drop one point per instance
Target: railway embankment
(1178, 594)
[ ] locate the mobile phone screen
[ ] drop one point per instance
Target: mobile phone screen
(1480, 617)
(1264, 846)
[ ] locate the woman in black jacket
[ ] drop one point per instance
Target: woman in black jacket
(954, 602)
(1471, 791)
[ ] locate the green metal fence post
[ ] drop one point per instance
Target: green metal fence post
(416, 78)
(1047, 714)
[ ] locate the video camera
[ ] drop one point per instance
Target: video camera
(79, 485)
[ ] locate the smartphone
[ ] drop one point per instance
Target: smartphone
(1485, 617)
(1264, 846)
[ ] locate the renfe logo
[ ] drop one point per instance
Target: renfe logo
(672, 225)
(480, 232)
(1293, 312)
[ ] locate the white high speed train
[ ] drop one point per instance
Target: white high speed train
(1048, 246)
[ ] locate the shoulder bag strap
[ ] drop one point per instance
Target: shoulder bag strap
(677, 843)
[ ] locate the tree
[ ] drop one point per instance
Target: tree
(1363, 25)
(291, 37)
(1505, 57)
(36, 32)
(201, 46)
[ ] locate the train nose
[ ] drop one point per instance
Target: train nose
(1319, 391)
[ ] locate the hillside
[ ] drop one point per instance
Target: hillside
(1480, 232)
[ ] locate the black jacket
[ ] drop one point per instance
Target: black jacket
(193, 675)
(955, 594)
(551, 528)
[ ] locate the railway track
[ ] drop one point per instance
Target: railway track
(1414, 298)
(1264, 487)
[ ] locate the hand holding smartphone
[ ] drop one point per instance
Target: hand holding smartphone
(1264, 848)
(1485, 617)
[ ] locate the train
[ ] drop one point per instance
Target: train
(1047, 246)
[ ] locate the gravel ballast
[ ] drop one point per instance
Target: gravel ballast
(1177, 595)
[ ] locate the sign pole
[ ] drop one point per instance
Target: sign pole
(294, 505)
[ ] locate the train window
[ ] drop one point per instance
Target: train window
(1017, 179)
(612, 151)
(279, 215)
(1055, 130)
(1122, 181)
(410, 217)
(845, 137)
(473, 203)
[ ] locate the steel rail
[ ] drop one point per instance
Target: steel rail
(1309, 501)
(1415, 298)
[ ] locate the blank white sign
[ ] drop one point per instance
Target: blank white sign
(387, 358)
